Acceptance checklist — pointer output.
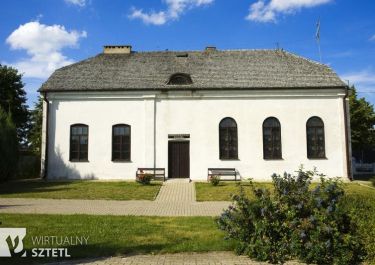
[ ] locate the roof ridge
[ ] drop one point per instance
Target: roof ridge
(304, 58)
(200, 51)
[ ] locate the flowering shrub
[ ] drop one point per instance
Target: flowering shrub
(295, 221)
(214, 180)
(144, 179)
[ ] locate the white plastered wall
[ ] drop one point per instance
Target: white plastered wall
(197, 114)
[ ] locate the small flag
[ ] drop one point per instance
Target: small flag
(317, 35)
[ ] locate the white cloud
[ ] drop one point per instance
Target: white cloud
(173, 11)
(154, 18)
(363, 78)
(43, 45)
(364, 82)
(80, 3)
(267, 10)
(372, 38)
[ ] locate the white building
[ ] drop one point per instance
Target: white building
(258, 111)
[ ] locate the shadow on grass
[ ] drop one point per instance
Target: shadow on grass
(43, 186)
(92, 252)
(226, 183)
(40, 186)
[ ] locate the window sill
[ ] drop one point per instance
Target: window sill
(229, 159)
(317, 158)
(273, 159)
(122, 161)
(79, 161)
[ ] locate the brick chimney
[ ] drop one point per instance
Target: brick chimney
(117, 49)
(210, 48)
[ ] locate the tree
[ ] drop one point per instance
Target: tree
(362, 121)
(35, 135)
(13, 99)
(8, 146)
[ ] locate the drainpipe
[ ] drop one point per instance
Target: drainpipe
(347, 135)
(46, 140)
(154, 136)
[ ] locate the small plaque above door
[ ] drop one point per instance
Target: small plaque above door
(178, 136)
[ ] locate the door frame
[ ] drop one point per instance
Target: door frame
(169, 160)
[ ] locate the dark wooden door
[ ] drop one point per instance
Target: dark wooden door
(178, 159)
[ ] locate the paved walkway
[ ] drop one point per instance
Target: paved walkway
(209, 258)
(176, 198)
(176, 190)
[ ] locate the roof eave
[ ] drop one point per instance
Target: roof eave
(187, 88)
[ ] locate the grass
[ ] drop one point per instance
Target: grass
(223, 191)
(86, 190)
(119, 235)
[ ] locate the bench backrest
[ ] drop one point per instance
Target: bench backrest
(152, 171)
(222, 171)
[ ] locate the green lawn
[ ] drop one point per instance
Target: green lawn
(87, 190)
(223, 191)
(118, 235)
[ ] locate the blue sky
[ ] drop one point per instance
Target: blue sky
(38, 36)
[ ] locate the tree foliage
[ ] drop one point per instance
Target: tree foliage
(362, 121)
(8, 146)
(13, 99)
(35, 135)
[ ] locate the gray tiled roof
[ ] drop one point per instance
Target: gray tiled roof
(233, 69)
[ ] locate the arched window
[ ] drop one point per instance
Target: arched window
(180, 79)
(121, 142)
(228, 139)
(315, 138)
(79, 141)
(271, 139)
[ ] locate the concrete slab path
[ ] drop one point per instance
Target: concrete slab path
(176, 198)
(209, 258)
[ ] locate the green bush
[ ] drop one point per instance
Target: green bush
(214, 180)
(294, 222)
(361, 205)
(144, 179)
(8, 147)
(373, 181)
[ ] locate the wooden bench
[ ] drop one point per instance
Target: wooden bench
(155, 172)
(232, 172)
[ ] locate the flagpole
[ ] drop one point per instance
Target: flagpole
(320, 52)
(317, 36)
